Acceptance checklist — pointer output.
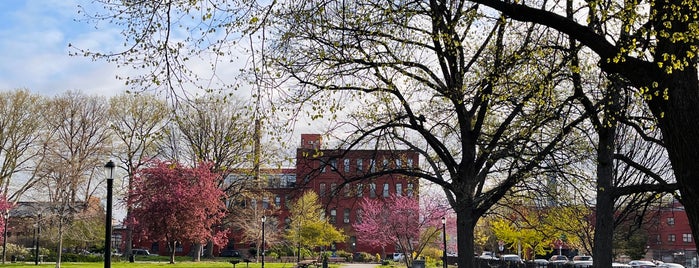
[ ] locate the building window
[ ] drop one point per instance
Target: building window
(399, 189)
(346, 188)
(346, 216)
(333, 216)
(333, 164)
(287, 201)
(670, 221)
(372, 190)
(278, 201)
(385, 164)
(287, 223)
(410, 189)
(360, 166)
(358, 215)
(360, 189)
(385, 190)
(372, 165)
(399, 163)
(322, 190)
(687, 238)
(410, 163)
(658, 240)
(346, 165)
(671, 238)
(333, 189)
(265, 203)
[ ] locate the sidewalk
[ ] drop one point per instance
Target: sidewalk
(359, 265)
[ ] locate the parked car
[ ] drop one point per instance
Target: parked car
(229, 253)
(140, 252)
(620, 265)
(581, 261)
(642, 264)
(670, 265)
(512, 260)
(540, 262)
(558, 261)
(398, 256)
(488, 255)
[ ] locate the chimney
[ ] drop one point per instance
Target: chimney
(311, 141)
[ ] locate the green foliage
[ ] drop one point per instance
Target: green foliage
(363, 257)
(308, 227)
(344, 254)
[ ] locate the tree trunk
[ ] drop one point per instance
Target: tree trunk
(172, 246)
(465, 224)
(60, 242)
(209, 253)
(196, 252)
(604, 210)
(679, 123)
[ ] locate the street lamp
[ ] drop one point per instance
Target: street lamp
(38, 236)
(444, 241)
(4, 236)
(263, 241)
(109, 167)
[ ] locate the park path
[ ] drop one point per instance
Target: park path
(359, 265)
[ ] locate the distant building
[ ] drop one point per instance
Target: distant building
(670, 239)
(325, 170)
(322, 171)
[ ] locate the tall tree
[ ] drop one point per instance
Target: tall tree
(20, 131)
(469, 92)
(658, 59)
(402, 221)
(75, 143)
(172, 203)
(138, 123)
(217, 129)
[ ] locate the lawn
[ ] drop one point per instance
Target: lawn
(203, 264)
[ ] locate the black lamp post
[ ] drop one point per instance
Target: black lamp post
(263, 241)
(38, 236)
(109, 167)
(444, 241)
(4, 236)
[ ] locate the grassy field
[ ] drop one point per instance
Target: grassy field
(202, 264)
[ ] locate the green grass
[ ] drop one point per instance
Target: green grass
(202, 264)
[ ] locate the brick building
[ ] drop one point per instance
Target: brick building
(334, 176)
(670, 238)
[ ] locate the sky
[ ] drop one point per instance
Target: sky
(34, 40)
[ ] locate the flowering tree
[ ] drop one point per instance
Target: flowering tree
(309, 227)
(400, 220)
(174, 204)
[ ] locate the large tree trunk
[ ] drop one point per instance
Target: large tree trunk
(680, 128)
(465, 224)
(604, 210)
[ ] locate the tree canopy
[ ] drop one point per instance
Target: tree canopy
(177, 204)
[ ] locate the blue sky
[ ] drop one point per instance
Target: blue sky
(34, 38)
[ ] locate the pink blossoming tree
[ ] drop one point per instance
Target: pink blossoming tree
(172, 203)
(400, 220)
